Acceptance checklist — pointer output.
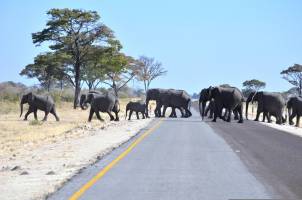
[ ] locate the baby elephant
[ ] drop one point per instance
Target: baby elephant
(137, 107)
(36, 102)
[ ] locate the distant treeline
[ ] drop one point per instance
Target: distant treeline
(11, 91)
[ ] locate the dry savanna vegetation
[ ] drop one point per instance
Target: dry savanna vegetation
(16, 134)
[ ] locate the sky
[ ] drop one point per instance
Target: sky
(200, 43)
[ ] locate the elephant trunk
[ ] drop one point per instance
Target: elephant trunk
(126, 111)
(21, 108)
(201, 109)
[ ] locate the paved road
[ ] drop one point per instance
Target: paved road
(190, 159)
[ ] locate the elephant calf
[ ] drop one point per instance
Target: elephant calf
(36, 102)
(137, 107)
(103, 103)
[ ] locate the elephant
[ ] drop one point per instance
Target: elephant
(294, 106)
(176, 99)
(83, 98)
(269, 103)
(103, 103)
(155, 94)
(229, 98)
(37, 102)
(137, 107)
(169, 98)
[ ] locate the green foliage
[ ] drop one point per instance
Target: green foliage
(73, 32)
(48, 68)
(293, 75)
(253, 85)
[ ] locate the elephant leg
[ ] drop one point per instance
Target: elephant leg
(99, 116)
(30, 110)
(188, 113)
(257, 116)
(45, 116)
(229, 115)
(35, 114)
(90, 114)
(263, 116)
(116, 116)
(298, 121)
(143, 114)
(164, 111)
(172, 113)
(131, 111)
(110, 115)
(137, 115)
(211, 114)
(53, 111)
(269, 117)
(239, 111)
(207, 110)
(291, 117)
(236, 117)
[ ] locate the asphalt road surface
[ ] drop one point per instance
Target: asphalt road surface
(190, 159)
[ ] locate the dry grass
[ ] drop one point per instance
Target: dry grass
(16, 134)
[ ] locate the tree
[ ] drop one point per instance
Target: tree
(253, 85)
(225, 85)
(47, 68)
(293, 75)
(93, 67)
(149, 70)
(119, 70)
(73, 31)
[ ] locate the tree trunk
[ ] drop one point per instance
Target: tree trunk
(77, 85)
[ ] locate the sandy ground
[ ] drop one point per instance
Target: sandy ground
(37, 158)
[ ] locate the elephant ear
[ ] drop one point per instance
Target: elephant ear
(30, 96)
(215, 91)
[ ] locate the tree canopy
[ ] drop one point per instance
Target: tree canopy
(293, 75)
(73, 32)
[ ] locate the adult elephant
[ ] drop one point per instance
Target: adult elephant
(229, 98)
(155, 94)
(37, 102)
(269, 103)
(83, 98)
(177, 99)
(294, 106)
(103, 103)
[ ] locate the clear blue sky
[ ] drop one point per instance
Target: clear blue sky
(200, 43)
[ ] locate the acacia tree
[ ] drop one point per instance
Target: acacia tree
(47, 68)
(119, 70)
(293, 75)
(149, 70)
(253, 85)
(93, 67)
(73, 31)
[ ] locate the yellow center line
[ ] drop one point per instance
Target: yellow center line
(97, 177)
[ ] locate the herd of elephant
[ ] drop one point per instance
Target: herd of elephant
(212, 100)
